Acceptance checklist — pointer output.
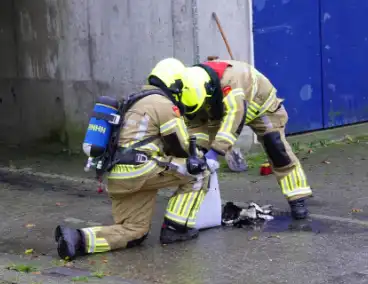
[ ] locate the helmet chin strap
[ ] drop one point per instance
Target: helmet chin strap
(171, 92)
(213, 88)
(179, 104)
(176, 93)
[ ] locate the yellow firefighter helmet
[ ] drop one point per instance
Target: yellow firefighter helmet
(194, 91)
(169, 71)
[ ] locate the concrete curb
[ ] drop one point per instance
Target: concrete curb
(31, 173)
(75, 182)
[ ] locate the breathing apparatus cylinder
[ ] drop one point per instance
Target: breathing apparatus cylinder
(104, 117)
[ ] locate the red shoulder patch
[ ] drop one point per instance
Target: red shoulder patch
(176, 110)
(226, 90)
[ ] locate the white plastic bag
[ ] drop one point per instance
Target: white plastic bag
(209, 214)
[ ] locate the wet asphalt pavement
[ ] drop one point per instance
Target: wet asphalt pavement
(330, 247)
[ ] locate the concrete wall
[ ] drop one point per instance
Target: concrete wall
(9, 109)
(30, 87)
(57, 56)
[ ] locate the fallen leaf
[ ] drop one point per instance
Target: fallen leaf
(36, 272)
(69, 264)
(28, 251)
(254, 238)
(98, 274)
(274, 236)
(356, 210)
(326, 162)
(92, 262)
(347, 137)
(104, 259)
(30, 226)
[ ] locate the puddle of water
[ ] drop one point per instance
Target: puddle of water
(286, 223)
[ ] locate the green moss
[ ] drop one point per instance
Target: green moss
(223, 164)
(362, 138)
(22, 268)
(256, 160)
(300, 149)
(99, 274)
(55, 136)
(80, 279)
(74, 136)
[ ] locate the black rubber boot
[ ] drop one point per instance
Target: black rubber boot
(70, 241)
(172, 233)
(299, 208)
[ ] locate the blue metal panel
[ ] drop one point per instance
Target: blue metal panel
(345, 61)
(287, 46)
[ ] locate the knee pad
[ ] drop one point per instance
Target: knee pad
(136, 242)
(276, 150)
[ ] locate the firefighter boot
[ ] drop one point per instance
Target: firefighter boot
(299, 208)
(172, 233)
(70, 241)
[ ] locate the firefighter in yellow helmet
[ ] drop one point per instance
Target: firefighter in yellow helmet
(156, 136)
(238, 95)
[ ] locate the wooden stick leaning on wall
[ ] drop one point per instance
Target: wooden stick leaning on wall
(234, 158)
(223, 35)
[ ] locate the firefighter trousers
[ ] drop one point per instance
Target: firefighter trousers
(133, 202)
(270, 131)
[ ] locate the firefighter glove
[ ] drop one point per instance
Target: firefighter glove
(211, 160)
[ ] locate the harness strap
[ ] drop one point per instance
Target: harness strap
(131, 156)
(111, 118)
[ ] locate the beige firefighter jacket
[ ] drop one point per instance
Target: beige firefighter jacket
(247, 95)
(154, 115)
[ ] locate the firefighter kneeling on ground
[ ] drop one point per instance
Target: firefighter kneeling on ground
(238, 94)
(156, 121)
